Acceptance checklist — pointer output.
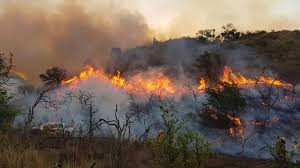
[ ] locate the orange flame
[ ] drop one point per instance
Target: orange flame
(156, 83)
(235, 120)
(239, 79)
(118, 81)
(202, 84)
(237, 132)
(89, 71)
(159, 84)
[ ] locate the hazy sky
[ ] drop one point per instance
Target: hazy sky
(185, 17)
(179, 17)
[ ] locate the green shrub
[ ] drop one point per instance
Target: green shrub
(225, 98)
(282, 157)
(7, 111)
(174, 149)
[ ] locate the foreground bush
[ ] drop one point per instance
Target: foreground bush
(284, 158)
(224, 102)
(225, 98)
(174, 149)
(8, 111)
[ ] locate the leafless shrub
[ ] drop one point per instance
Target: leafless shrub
(122, 127)
(86, 101)
(51, 81)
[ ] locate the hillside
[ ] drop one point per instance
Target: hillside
(278, 51)
(281, 49)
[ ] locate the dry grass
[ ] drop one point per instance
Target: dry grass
(15, 153)
(19, 152)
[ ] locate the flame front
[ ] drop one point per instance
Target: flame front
(159, 84)
(88, 71)
(239, 79)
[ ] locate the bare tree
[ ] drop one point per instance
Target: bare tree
(140, 108)
(51, 80)
(195, 93)
(268, 97)
(144, 136)
(86, 101)
(121, 127)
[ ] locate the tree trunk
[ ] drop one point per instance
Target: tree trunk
(91, 129)
(28, 123)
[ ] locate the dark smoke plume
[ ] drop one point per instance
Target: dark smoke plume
(67, 35)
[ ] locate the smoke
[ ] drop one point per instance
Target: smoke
(66, 34)
(71, 33)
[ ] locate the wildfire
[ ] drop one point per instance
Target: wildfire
(157, 83)
(88, 71)
(202, 84)
(235, 120)
(239, 131)
(239, 79)
(118, 81)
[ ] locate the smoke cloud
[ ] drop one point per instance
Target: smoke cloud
(66, 34)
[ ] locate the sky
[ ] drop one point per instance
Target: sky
(185, 17)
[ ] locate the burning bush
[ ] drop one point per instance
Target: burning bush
(224, 101)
